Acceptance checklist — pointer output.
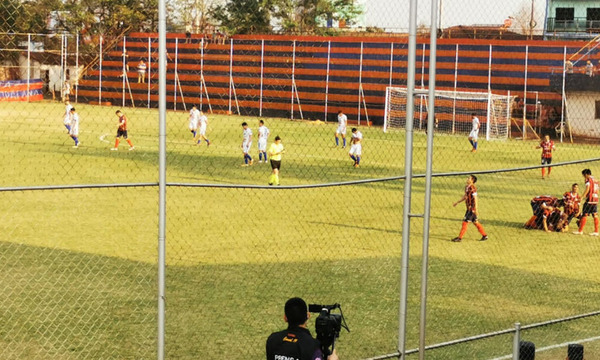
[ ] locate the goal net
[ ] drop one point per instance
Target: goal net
(453, 111)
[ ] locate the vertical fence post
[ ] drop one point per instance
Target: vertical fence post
(100, 73)
(124, 73)
(360, 80)
(28, 64)
(76, 66)
(230, 72)
(327, 78)
(176, 77)
(455, 86)
(423, 67)
(201, 71)
(563, 95)
(408, 171)
(525, 93)
(391, 62)
(516, 341)
(293, 78)
(62, 63)
(262, 74)
(508, 112)
(488, 122)
(149, 69)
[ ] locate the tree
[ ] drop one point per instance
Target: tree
(244, 16)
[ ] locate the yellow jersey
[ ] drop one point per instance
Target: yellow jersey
(275, 151)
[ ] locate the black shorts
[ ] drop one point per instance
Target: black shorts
(589, 209)
(122, 133)
(275, 164)
(546, 161)
(470, 216)
(537, 208)
(571, 216)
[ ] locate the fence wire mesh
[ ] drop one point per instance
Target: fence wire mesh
(79, 213)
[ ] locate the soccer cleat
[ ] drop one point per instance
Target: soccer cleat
(251, 162)
(114, 149)
(456, 239)
(260, 161)
(75, 146)
(483, 238)
(577, 232)
(131, 148)
(594, 234)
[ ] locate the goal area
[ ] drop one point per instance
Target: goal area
(453, 111)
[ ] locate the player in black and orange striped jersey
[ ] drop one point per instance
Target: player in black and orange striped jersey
(572, 204)
(543, 207)
(470, 199)
(122, 131)
(547, 146)
(590, 206)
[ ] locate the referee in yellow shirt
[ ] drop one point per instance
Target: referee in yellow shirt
(275, 151)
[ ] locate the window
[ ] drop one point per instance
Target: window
(593, 18)
(598, 109)
(565, 14)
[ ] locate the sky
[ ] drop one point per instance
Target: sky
(393, 14)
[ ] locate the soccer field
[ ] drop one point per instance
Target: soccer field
(80, 264)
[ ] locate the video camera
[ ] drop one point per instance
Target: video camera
(328, 325)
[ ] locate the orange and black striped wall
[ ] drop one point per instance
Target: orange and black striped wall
(314, 77)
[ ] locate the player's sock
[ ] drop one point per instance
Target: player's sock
(265, 155)
(472, 144)
(245, 158)
(129, 142)
(549, 169)
(480, 228)
(337, 141)
(463, 230)
(194, 133)
(475, 145)
(353, 158)
(68, 127)
(543, 172)
(76, 140)
(277, 179)
(596, 221)
(358, 160)
(207, 141)
(260, 156)
(582, 223)
(117, 143)
(344, 139)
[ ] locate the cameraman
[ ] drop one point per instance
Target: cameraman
(295, 343)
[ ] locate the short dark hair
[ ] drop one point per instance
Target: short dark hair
(474, 178)
(472, 114)
(339, 111)
(277, 138)
(260, 121)
(353, 129)
(586, 172)
(244, 124)
(574, 184)
(118, 111)
(72, 109)
(296, 311)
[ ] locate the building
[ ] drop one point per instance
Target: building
(572, 19)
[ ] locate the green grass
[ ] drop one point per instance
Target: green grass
(80, 265)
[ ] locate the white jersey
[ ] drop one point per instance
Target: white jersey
(67, 117)
(203, 123)
(475, 130)
(74, 125)
(194, 118)
(247, 140)
(263, 134)
(342, 121)
(356, 146)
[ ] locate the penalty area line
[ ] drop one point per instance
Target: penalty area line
(102, 138)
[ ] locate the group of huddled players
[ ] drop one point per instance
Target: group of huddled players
(547, 213)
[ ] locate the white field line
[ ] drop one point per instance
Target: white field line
(552, 347)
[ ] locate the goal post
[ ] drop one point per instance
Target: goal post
(453, 111)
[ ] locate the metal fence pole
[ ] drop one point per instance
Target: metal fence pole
(176, 77)
(455, 85)
(360, 80)
(230, 73)
(76, 67)
(262, 74)
(327, 78)
(28, 64)
(525, 93)
(428, 176)
(423, 67)
(293, 79)
(124, 73)
(517, 341)
(563, 97)
(100, 73)
(149, 69)
(162, 173)
(391, 62)
(412, 50)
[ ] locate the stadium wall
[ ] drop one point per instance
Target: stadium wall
(314, 77)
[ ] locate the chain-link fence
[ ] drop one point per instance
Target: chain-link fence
(80, 186)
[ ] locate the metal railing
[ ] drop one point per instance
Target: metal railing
(573, 25)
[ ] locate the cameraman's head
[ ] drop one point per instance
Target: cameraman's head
(296, 312)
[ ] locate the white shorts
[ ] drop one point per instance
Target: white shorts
(193, 125)
(246, 147)
(262, 144)
(474, 134)
(67, 120)
(202, 130)
(341, 130)
(355, 149)
(74, 130)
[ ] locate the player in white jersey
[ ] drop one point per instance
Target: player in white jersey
(246, 143)
(356, 147)
(67, 116)
(74, 130)
(263, 135)
(474, 132)
(194, 119)
(202, 129)
(341, 129)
